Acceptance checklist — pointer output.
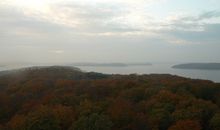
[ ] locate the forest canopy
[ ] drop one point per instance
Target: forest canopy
(65, 98)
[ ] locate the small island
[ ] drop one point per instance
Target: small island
(200, 66)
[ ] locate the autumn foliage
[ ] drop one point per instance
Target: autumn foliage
(64, 98)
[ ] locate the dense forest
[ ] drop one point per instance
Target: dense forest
(65, 98)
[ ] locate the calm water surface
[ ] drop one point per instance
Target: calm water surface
(213, 75)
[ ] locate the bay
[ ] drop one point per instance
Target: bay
(213, 75)
(156, 68)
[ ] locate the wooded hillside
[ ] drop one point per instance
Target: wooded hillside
(65, 98)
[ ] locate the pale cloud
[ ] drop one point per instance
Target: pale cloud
(108, 17)
(104, 21)
(75, 26)
(57, 51)
(89, 16)
(104, 16)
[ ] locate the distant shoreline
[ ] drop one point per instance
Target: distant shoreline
(198, 66)
(109, 64)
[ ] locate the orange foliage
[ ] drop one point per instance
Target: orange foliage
(186, 125)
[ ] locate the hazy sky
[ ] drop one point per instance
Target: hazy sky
(109, 31)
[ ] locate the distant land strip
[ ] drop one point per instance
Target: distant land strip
(200, 66)
(110, 64)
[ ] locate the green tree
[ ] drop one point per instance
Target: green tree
(92, 122)
(215, 122)
(42, 119)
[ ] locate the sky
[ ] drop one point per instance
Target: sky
(67, 31)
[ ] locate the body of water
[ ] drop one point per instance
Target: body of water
(213, 75)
